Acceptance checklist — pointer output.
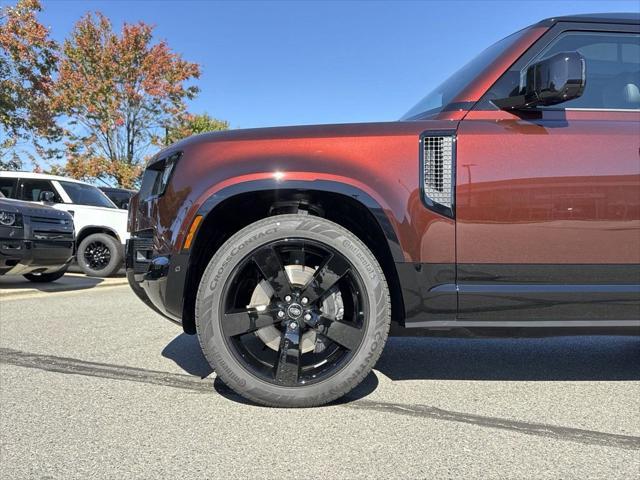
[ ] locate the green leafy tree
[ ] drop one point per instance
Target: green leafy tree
(27, 63)
(191, 124)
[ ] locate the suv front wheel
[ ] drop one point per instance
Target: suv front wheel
(293, 311)
(99, 255)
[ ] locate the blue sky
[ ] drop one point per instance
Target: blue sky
(270, 63)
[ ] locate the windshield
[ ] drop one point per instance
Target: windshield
(442, 95)
(82, 194)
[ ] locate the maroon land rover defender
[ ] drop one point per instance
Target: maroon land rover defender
(509, 197)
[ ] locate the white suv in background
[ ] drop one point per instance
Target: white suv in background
(101, 228)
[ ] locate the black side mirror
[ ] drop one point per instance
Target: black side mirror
(554, 80)
(47, 196)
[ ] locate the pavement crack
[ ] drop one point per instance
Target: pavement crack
(74, 366)
(588, 437)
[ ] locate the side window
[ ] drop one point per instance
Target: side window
(33, 187)
(121, 199)
(8, 187)
(612, 68)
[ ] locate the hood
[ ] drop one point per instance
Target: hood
(99, 210)
(31, 209)
(303, 131)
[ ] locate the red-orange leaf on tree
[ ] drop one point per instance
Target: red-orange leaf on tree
(118, 91)
(27, 63)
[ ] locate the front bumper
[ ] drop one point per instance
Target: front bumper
(18, 257)
(157, 279)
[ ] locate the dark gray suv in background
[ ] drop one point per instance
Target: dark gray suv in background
(36, 241)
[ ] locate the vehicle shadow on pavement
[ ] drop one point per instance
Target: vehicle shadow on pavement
(13, 285)
(525, 359)
(74, 268)
(587, 358)
(185, 351)
(364, 389)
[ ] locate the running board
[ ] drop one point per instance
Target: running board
(524, 323)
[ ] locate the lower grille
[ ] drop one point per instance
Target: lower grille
(50, 220)
(139, 251)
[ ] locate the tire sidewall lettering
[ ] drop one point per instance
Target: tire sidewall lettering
(234, 252)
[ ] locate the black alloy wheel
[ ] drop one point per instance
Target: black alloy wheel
(293, 311)
(100, 255)
(320, 318)
(97, 255)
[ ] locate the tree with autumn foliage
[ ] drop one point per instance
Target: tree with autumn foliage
(190, 124)
(27, 64)
(118, 93)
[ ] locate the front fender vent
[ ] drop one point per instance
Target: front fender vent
(438, 151)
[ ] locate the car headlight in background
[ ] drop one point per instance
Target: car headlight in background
(10, 219)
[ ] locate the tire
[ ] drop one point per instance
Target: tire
(99, 255)
(352, 336)
(46, 277)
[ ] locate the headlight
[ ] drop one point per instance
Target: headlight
(157, 176)
(10, 219)
(169, 165)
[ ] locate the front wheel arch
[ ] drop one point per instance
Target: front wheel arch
(235, 207)
(90, 230)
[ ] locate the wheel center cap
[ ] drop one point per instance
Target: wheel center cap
(294, 311)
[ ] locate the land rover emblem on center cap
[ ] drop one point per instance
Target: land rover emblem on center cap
(294, 310)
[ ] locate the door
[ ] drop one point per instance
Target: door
(548, 201)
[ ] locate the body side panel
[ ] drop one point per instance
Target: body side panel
(548, 211)
(561, 189)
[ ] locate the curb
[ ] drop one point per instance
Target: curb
(72, 284)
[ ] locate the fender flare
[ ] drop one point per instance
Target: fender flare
(112, 232)
(311, 185)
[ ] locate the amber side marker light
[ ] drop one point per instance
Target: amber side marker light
(192, 232)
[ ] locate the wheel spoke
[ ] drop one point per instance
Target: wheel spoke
(270, 265)
(247, 321)
(288, 364)
(342, 333)
(325, 278)
(97, 255)
(297, 256)
(327, 300)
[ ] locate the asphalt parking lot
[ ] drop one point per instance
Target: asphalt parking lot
(94, 384)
